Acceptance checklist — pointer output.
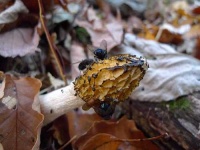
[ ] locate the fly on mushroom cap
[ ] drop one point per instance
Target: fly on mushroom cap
(100, 52)
(110, 81)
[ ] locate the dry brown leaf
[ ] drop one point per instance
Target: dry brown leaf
(169, 37)
(197, 48)
(106, 134)
(149, 32)
(170, 34)
(34, 8)
(196, 10)
(100, 29)
(79, 123)
(61, 130)
(20, 121)
(19, 42)
(101, 141)
(193, 32)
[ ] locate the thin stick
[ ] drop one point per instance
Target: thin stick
(73, 138)
(146, 139)
(51, 45)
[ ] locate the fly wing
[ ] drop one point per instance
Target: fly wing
(91, 48)
(103, 45)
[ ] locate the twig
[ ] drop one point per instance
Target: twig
(73, 138)
(49, 39)
(147, 139)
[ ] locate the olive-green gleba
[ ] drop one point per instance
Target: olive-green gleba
(107, 82)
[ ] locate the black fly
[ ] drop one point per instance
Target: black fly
(100, 53)
(83, 64)
(105, 109)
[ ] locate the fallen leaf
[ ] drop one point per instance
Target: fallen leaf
(80, 122)
(100, 29)
(12, 12)
(179, 5)
(193, 32)
(101, 141)
(169, 34)
(149, 32)
(61, 130)
(136, 6)
(116, 30)
(91, 15)
(60, 15)
(19, 42)
(109, 135)
(20, 119)
(197, 48)
(33, 6)
(73, 7)
(170, 74)
(196, 10)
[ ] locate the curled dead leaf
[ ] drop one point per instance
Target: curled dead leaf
(110, 135)
(169, 34)
(20, 122)
(196, 10)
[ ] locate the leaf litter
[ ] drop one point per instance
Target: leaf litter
(171, 74)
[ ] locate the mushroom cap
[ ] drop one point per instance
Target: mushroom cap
(111, 79)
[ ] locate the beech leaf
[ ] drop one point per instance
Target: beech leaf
(19, 42)
(11, 13)
(20, 120)
(109, 135)
(99, 29)
(170, 74)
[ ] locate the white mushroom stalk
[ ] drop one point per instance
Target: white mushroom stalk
(59, 102)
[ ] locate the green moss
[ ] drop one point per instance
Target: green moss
(179, 104)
